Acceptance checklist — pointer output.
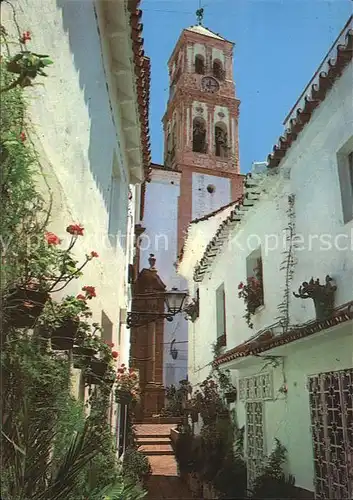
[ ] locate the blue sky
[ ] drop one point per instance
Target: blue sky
(279, 45)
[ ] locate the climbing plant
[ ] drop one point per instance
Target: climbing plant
(288, 264)
(52, 448)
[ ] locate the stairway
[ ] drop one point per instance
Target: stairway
(154, 441)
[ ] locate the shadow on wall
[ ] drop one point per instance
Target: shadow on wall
(79, 22)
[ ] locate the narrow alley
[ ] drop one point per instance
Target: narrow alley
(164, 483)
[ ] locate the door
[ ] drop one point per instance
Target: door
(255, 439)
(331, 410)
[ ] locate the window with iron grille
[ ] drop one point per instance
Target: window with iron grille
(331, 411)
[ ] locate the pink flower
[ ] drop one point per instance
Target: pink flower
(23, 136)
(26, 37)
(80, 297)
(94, 254)
(75, 229)
(52, 239)
(241, 285)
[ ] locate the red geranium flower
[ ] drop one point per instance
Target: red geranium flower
(115, 354)
(109, 344)
(94, 254)
(90, 291)
(80, 297)
(26, 36)
(52, 239)
(241, 285)
(75, 229)
(23, 136)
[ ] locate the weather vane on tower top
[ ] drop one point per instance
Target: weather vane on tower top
(199, 13)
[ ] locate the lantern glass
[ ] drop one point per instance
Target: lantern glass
(174, 300)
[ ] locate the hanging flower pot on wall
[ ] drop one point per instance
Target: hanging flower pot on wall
(123, 397)
(23, 306)
(96, 370)
(62, 338)
(98, 367)
(322, 296)
(231, 396)
(82, 356)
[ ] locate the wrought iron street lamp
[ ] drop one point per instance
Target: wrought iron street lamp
(174, 300)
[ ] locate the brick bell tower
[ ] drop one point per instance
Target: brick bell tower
(201, 124)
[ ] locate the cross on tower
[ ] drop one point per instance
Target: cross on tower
(199, 15)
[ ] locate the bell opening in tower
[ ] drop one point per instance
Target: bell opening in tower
(218, 71)
(221, 137)
(199, 136)
(199, 65)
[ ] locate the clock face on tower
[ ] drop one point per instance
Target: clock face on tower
(209, 84)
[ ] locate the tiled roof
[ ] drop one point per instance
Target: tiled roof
(211, 214)
(268, 340)
(241, 206)
(201, 219)
(143, 74)
(315, 96)
(202, 30)
(157, 166)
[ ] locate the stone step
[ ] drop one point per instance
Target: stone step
(153, 440)
(153, 436)
(157, 449)
(159, 420)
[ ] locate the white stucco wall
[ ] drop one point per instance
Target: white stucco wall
(160, 238)
(287, 416)
(314, 181)
(204, 202)
(310, 173)
(74, 134)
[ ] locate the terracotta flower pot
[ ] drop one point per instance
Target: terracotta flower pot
(62, 338)
(24, 306)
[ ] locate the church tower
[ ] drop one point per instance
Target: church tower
(200, 174)
(201, 124)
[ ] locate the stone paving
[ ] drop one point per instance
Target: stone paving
(164, 482)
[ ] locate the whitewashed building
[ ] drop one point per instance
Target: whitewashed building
(88, 121)
(294, 368)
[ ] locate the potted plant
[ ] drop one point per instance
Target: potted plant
(127, 385)
(231, 396)
(24, 304)
(322, 295)
(252, 293)
(60, 320)
(208, 401)
(192, 310)
(101, 367)
(87, 343)
(136, 466)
